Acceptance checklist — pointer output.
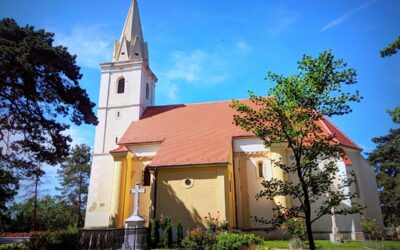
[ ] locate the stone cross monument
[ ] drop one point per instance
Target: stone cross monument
(134, 225)
(135, 220)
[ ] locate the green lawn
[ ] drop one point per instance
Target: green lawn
(326, 244)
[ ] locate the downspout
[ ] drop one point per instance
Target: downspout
(234, 185)
(155, 193)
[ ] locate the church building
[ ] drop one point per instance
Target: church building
(190, 159)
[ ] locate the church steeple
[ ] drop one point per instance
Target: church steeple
(131, 45)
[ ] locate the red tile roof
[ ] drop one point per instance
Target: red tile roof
(193, 133)
(120, 149)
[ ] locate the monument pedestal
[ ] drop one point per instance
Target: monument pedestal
(335, 236)
(135, 237)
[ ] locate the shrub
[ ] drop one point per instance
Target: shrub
(235, 241)
(179, 233)
(14, 246)
(212, 222)
(370, 226)
(61, 240)
(199, 239)
(155, 234)
(295, 227)
(224, 226)
(167, 233)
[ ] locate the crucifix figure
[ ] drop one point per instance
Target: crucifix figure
(136, 191)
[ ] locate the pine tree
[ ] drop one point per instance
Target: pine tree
(39, 84)
(386, 162)
(74, 176)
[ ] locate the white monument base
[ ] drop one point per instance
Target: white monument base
(335, 236)
(135, 237)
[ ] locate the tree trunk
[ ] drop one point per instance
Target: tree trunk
(35, 203)
(307, 205)
(79, 211)
(79, 224)
(310, 236)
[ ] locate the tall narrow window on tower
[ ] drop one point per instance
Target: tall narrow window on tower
(121, 86)
(147, 91)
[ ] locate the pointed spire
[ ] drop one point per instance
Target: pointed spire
(131, 45)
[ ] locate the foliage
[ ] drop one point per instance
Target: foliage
(155, 233)
(214, 224)
(179, 233)
(167, 232)
(39, 83)
(8, 186)
(52, 214)
(386, 162)
(61, 240)
(74, 176)
(14, 246)
(198, 239)
(235, 241)
(295, 227)
(391, 49)
(224, 225)
(370, 227)
(293, 116)
(395, 113)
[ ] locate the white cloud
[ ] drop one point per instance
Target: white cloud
(90, 44)
(345, 16)
(243, 46)
(171, 93)
(168, 90)
(280, 19)
(80, 135)
(196, 67)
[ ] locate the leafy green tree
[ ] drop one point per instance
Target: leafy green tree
(391, 49)
(52, 214)
(39, 92)
(74, 176)
(386, 162)
(292, 115)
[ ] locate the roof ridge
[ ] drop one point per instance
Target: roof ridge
(199, 103)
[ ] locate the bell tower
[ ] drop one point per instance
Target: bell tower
(127, 88)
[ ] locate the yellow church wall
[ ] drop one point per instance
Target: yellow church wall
(208, 194)
(248, 184)
(128, 171)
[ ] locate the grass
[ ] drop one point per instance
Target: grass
(327, 245)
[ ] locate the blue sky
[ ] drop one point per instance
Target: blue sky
(204, 50)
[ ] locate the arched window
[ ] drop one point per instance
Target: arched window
(146, 177)
(147, 91)
(121, 86)
(259, 170)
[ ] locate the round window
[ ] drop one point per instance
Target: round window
(188, 183)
